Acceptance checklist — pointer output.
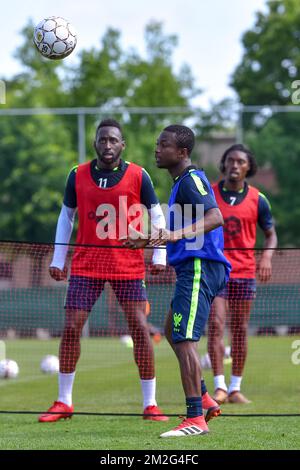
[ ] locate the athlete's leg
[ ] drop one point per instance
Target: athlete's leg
(68, 356)
(188, 358)
(239, 320)
(82, 294)
(69, 350)
(135, 312)
(132, 297)
(216, 328)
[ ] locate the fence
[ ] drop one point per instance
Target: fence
(32, 319)
(30, 301)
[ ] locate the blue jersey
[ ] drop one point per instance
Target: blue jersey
(207, 246)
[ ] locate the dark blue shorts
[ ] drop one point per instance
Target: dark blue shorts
(239, 289)
(198, 282)
(83, 292)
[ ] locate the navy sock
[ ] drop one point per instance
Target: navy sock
(193, 407)
(203, 387)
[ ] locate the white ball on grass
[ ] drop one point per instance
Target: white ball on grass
(9, 369)
(127, 341)
(50, 364)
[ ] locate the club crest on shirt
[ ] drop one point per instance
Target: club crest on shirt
(232, 227)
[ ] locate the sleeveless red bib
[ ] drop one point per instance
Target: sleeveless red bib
(104, 216)
(240, 232)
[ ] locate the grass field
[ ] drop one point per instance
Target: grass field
(107, 381)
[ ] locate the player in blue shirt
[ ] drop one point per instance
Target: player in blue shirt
(195, 248)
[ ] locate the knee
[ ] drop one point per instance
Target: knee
(138, 325)
(216, 328)
(72, 329)
(136, 319)
(240, 329)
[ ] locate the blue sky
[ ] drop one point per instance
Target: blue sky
(209, 31)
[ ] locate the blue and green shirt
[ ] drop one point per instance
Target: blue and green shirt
(191, 197)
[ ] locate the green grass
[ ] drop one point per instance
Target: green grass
(107, 381)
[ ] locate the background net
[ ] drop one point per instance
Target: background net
(32, 320)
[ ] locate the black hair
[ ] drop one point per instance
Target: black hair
(240, 148)
(109, 123)
(185, 137)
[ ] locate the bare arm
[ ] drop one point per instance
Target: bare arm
(211, 220)
(264, 267)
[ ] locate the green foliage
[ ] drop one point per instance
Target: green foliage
(270, 64)
(36, 153)
(271, 55)
(278, 144)
(219, 118)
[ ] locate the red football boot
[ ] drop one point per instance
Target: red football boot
(56, 412)
(212, 407)
(189, 427)
(153, 413)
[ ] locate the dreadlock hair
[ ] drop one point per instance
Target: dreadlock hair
(185, 137)
(240, 148)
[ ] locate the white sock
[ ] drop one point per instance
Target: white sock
(219, 382)
(235, 384)
(148, 389)
(65, 387)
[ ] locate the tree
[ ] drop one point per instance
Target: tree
(269, 65)
(36, 153)
(113, 77)
(271, 57)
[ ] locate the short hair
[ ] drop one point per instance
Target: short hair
(109, 123)
(240, 148)
(185, 137)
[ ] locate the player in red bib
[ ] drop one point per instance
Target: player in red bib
(243, 208)
(109, 194)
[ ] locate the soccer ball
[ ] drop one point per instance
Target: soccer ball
(55, 38)
(50, 364)
(205, 361)
(127, 340)
(227, 355)
(9, 369)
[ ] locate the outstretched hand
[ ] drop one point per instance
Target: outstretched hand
(158, 237)
(135, 239)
